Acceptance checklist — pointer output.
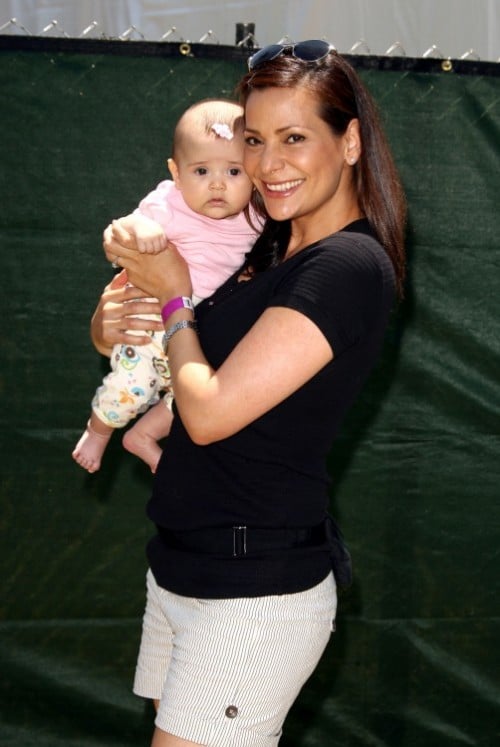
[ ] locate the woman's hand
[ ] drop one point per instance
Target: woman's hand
(163, 276)
(120, 309)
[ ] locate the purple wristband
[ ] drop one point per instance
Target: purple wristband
(181, 302)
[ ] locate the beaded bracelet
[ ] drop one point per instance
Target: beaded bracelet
(170, 332)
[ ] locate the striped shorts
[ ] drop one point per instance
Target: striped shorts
(226, 671)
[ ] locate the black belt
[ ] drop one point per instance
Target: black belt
(238, 541)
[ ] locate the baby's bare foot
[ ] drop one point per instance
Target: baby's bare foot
(89, 449)
(144, 447)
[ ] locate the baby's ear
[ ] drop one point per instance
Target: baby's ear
(172, 167)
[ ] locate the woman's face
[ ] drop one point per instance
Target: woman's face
(301, 169)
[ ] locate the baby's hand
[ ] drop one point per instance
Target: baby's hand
(149, 235)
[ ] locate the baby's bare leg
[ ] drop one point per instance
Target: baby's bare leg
(142, 439)
(92, 444)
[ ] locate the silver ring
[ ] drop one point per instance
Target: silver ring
(115, 264)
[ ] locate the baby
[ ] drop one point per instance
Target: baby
(205, 212)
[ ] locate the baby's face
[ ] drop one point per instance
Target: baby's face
(209, 172)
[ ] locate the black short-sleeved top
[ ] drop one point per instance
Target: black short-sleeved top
(273, 472)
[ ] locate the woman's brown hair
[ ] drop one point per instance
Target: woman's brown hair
(341, 97)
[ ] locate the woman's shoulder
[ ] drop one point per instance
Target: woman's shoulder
(355, 246)
(349, 263)
(358, 234)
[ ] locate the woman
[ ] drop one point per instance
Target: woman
(241, 595)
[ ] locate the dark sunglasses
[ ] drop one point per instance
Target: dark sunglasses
(311, 50)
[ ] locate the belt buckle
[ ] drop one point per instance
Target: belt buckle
(239, 541)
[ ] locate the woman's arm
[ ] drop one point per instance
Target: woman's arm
(266, 367)
(119, 309)
(121, 306)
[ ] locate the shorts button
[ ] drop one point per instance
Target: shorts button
(231, 711)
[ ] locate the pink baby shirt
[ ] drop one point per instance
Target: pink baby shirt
(213, 249)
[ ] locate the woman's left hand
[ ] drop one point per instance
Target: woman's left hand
(163, 276)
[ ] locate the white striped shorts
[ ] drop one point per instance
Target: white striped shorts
(226, 671)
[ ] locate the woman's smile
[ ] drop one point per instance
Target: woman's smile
(282, 189)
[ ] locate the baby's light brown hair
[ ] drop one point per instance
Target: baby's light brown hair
(217, 117)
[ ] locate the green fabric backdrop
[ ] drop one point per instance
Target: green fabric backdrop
(415, 659)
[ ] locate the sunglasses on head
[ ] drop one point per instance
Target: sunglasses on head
(309, 51)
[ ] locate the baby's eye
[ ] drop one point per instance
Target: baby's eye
(234, 171)
(201, 171)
